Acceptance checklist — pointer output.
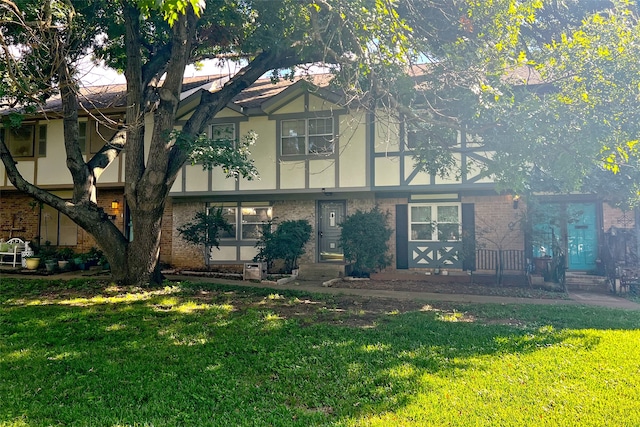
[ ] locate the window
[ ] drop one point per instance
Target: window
(57, 228)
(20, 141)
(230, 215)
(100, 133)
(427, 135)
(435, 222)
(223, 131)
(252, 221)
(95, 135)
(307, 136)
(246, 221)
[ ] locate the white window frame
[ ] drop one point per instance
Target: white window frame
(434, 223)
(308, 151)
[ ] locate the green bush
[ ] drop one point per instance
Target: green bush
(286, 242)
(364, 240)
(204, 229)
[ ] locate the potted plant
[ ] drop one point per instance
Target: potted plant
(50, 264)
(93, 256)
(32, 262)
(64, 255)
(80, 260)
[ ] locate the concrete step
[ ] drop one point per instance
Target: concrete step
(586, 282)
(323, 271)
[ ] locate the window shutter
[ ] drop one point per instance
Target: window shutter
(402, 237)
(42, 140)
(82, 137)
(468, 237)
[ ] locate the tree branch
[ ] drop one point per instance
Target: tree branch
(212, 103)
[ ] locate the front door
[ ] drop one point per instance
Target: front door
(582, 241)
(330, 216)
(571, 227)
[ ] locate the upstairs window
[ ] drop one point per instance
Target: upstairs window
(93, 135)
(428, 135)
(20, 141)
(435, 222)
(224, 132)
(307, 136)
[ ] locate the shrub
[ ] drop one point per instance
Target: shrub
(204, 229)
(285, 242)
(364, 240)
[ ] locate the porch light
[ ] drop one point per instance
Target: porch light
(115, 204)
(516, 199)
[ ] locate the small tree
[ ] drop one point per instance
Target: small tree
(285, 243)
(204, 229)
(364, 240)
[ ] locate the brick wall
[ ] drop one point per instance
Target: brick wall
(166, 240)
(614, 217)
(183, 253)
(17, 213)
(389, 206)
(498, 224)
(21, 212)
(287, 210)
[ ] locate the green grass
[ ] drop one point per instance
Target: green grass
(88, 354)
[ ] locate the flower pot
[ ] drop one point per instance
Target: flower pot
(50, 266)
(32, 263)
(63, 265)
(80, 263)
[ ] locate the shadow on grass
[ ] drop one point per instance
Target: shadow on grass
(228, 356)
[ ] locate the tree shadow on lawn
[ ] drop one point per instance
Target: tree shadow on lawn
(229, 357)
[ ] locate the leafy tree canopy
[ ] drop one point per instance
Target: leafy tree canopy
(550, 88)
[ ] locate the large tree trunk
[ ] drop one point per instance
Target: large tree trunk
(141, 264)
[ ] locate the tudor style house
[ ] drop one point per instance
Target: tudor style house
(320, 160)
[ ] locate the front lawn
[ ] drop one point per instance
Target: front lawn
(85, 353)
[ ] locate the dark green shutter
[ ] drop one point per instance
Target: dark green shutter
(402, 237)
(468, 237)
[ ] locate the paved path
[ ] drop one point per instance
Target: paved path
(575, 298)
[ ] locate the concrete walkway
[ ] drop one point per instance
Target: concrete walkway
(575, 297)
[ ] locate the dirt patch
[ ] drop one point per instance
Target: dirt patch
(451, 288)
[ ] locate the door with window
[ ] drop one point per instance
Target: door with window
(582, 236)
(330, 216)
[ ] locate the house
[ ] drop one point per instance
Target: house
(321, 160)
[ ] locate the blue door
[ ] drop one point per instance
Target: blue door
(582, 236)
